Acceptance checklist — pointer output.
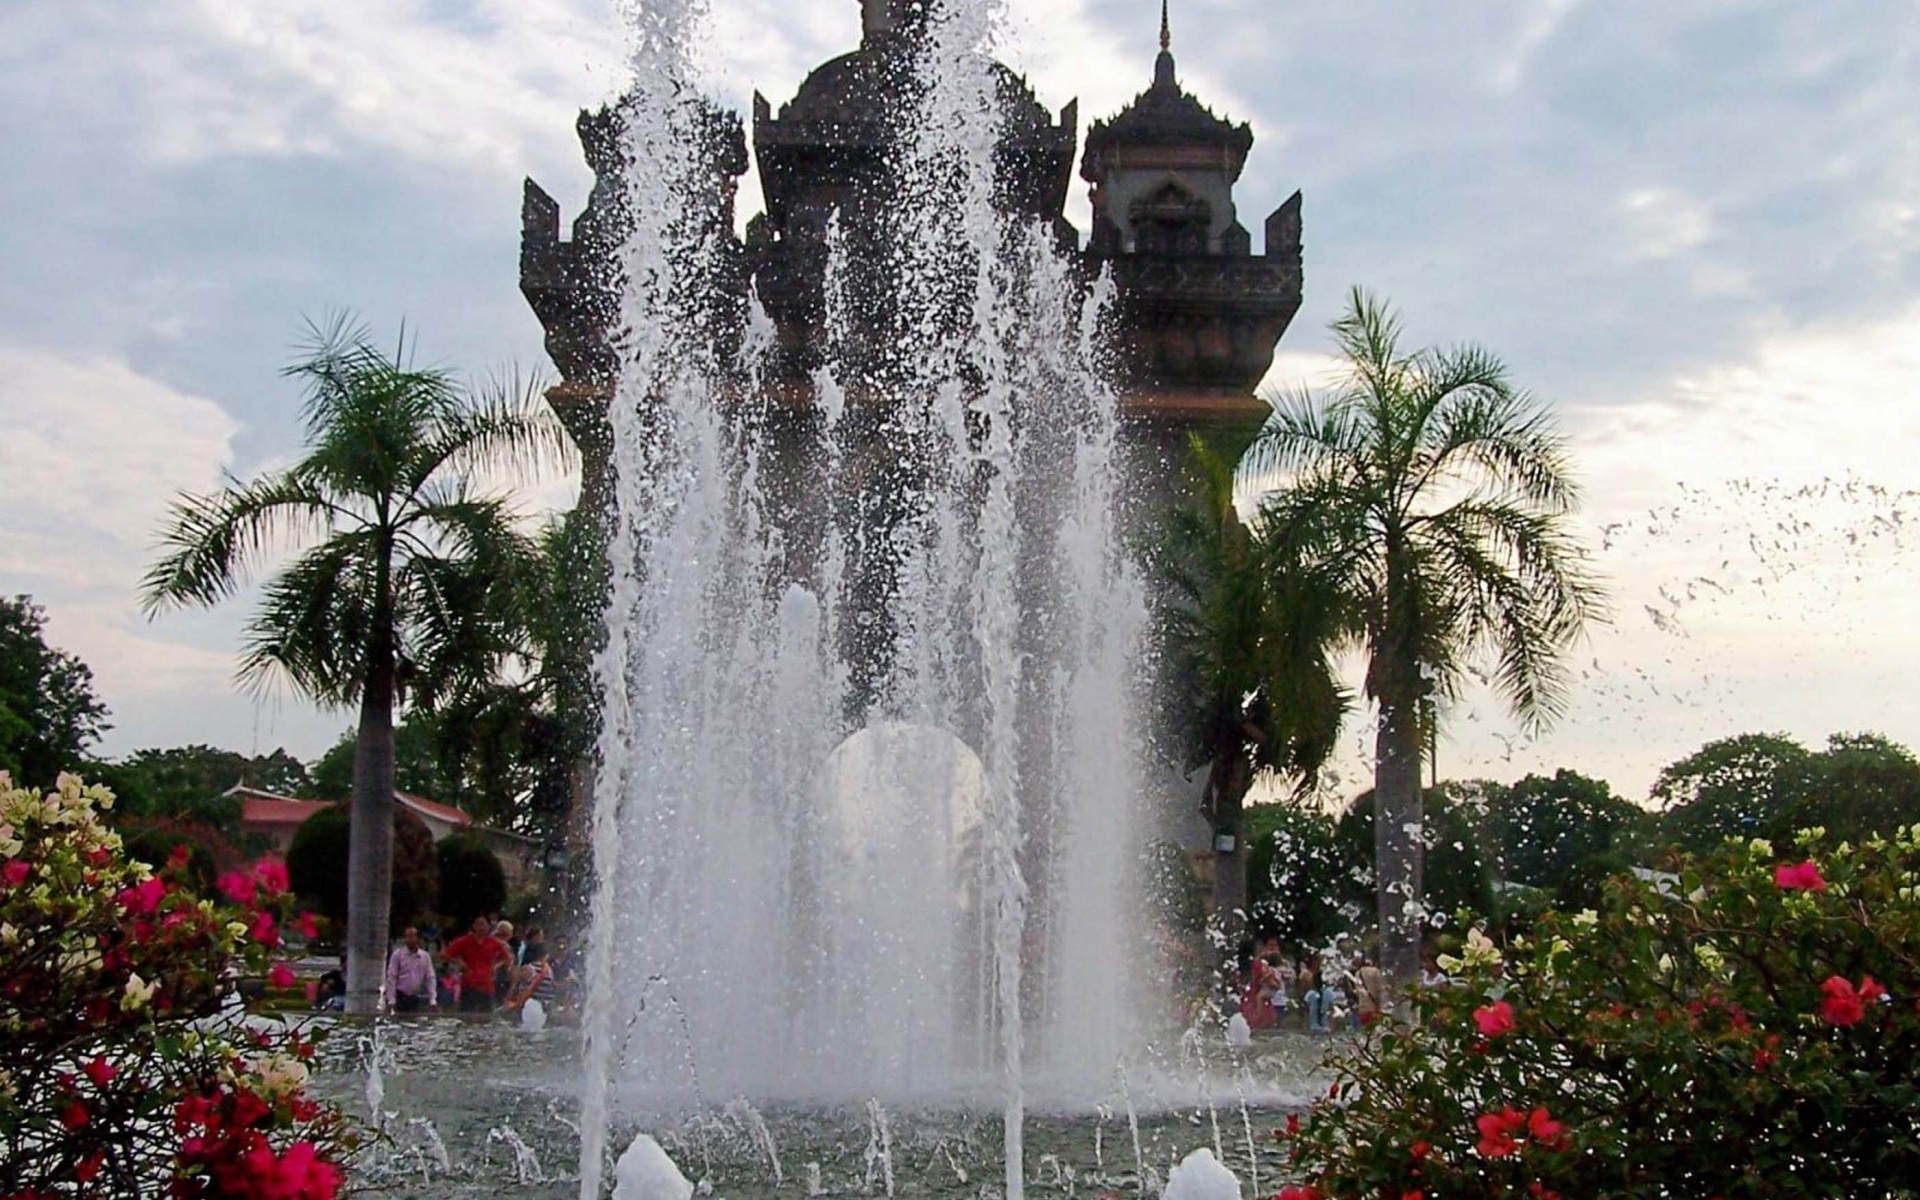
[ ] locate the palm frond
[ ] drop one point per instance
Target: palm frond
(315, 620)
(1480, 425)
(1368, 333)
(508, 428)
(211, 544)
(1303, 434)
(1525, 594)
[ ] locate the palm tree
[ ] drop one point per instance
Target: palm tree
(1437, 493)
(1249, 651)
(517, 739)
(403, 571)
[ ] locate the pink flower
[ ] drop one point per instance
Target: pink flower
(304, 926)
(1542, 1128)
(16, 872)
(75, 1116)
(264, 930)
(100, 1071)
(1843, 1005)
(1497, 1132)
(303, 1175)
(143, 898)
(271, 874)
(237, 886)
(1495, 1019)
(1800, 877)
(281, 976)
(1298, 1192)
(248, 1108)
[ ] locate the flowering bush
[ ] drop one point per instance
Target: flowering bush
(123, 1070)
(1745, 1029)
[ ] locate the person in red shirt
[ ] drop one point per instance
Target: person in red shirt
(479, 954)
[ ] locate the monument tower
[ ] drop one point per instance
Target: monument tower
(1199, 311)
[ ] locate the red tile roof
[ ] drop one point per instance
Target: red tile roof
(266, 808)
(430, 808)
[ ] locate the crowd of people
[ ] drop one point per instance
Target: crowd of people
(1317, 992)
(487, 969)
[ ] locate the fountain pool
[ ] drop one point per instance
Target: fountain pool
(473, 1110)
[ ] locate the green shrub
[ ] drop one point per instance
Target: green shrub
(472, 881)
(116, 1078)
(1747, 1029)
(317, 864)
(154, 841)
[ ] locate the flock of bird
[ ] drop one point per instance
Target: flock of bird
(1757, 605)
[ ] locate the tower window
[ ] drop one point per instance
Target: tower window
(1170, 220)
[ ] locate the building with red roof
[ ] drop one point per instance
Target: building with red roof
(274, 818)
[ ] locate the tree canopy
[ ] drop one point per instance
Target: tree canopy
(403, 579)
(49, 715)
(190, 782)
(1435, 493)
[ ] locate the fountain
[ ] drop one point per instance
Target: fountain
(861, 809)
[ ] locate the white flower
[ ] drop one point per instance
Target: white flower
(138, 993)
(278, 1074)
(1586, 918)
(9, 845)
(1762, 847)
(1481, 950)
(74, 962)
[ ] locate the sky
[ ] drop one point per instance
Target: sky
(1693, 226)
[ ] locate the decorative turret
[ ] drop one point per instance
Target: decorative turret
(1163, 171)
(1201, 311)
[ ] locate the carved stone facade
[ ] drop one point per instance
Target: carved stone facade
(1199, 316)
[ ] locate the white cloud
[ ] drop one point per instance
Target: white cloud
(1758, 526)
(1539, 21)
(91, 452)
(203, 79)
(1663, 223)
(1820, 403)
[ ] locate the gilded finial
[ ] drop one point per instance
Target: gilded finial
(1163, 69)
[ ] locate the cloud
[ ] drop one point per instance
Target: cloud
(92, 454)
(478, 82)
(1696, 225)
(1828, 401)
(1758, 527)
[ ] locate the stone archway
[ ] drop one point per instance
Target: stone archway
(897, 882)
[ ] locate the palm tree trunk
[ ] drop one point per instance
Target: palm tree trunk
(370, 842)
(1398, 854)
(1230, 870)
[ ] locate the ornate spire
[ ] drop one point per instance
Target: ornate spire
(1163, 72)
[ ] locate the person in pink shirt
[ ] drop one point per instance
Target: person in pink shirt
(410, 979)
